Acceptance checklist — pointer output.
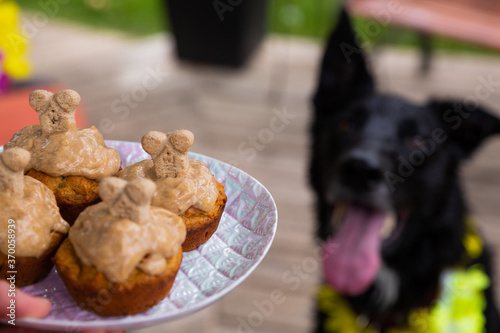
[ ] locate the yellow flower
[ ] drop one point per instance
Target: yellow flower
(460, 307)
(472, 242)
(13, 45)
(18, 68)
(9, 13)
(340, 316)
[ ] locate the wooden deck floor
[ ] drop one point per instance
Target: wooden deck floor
(225, 108)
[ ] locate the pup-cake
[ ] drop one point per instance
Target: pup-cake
(122, 254)
(31, 227)
(69, 160)
(185, 186)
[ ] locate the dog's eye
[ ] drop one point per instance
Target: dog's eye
(416, 141)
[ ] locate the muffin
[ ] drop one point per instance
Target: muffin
(122, 255)
(31, 228)
(69, 160)
(184, 186)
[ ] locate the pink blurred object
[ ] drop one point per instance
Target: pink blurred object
(4, 80)
(4, 83)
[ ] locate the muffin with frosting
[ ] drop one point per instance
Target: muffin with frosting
(185, 186)
(31, 227)
(69, 160)
(122, 255)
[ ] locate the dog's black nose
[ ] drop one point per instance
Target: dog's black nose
(360, 173)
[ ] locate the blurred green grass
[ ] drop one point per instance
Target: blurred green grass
(131, 16)
(308, 18)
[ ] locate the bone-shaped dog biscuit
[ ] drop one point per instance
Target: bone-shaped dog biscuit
(56, 111)
(169, 151)
(128, 200)
(12, 164)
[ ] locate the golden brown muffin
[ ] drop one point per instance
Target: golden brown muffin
(73, 193)
(93, 291)
(200, 225)
(69, 160)
(122, 255)
(185, 186)
(31, 227)
(30, 270)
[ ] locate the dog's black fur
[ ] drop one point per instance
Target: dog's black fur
(362, 144)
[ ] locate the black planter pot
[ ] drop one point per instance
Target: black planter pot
(223, 32)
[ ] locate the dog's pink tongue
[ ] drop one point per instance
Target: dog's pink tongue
(351, 259)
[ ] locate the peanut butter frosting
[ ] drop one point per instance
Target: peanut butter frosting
(57, 146)
(76, 152)
(124, 232)
(181, 182)
(196, 189)
(28, 205)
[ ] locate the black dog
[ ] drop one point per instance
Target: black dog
(377, 155)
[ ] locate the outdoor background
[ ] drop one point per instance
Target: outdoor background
(104, 49)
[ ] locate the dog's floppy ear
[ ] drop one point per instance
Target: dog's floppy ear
(467, 125)
(344, 76)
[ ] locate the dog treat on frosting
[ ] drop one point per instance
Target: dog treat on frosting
(57, 146)
(12, 163)
(56, 111)
(169, 152)
(181, 182)
(29, 209)
(128, 202)
(184, 186)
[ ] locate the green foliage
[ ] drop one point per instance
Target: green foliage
(311, 18)
(132, 16)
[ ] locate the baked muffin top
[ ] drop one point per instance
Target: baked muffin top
(28, 211)
(124, 232)
(181, 182)
(57, 146)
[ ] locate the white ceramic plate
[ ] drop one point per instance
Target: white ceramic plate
(244, 236)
